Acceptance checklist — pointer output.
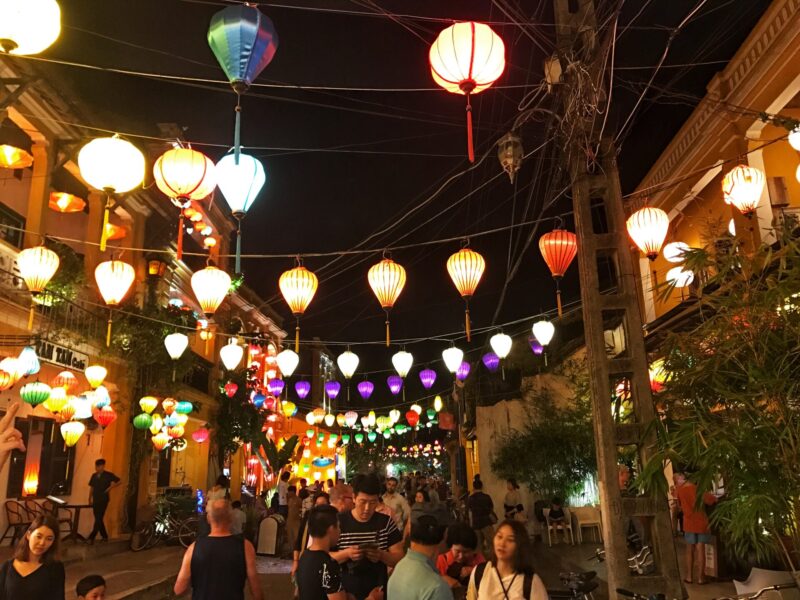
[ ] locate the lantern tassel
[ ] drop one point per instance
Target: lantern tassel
(30, 315)
(180, 236)
(388, 335)
(108, 330)
(297, 337)
(237, 131)
(104, 233)
(466, 322)
(470, 147)
(558, 302)
(238, 250)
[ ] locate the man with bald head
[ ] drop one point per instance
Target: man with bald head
(216, 566)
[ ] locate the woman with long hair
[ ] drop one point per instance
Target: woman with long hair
(34, 573)
(509, 575)
(512, 503)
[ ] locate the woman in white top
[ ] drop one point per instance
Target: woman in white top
(509, 576)
(512, 503)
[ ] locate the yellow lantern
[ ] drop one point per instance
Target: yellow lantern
(210, 286)
(466, 268)
(28, 26)
(289, 408)
(12, 366)
(438, 404)
(311, 418)
(648, 229)
(160, 440)
(340, 420)
(742, 186)
(157, 424)
(114, 279)
(319, 415)
(95, 375)
(37, 267)
(330, 420)
(72, 431)
(175, 431)
(298, 287)
(387, 279)
(57, 400)
(182, 419)
(148, 404)
(12, 157)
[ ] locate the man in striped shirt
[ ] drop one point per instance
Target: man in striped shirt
(369, 541)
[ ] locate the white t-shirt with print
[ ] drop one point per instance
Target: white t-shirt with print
(492, 590)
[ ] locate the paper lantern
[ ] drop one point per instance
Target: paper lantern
(275, 387)
(438, 404)
(65, 379)
(463, 371)
(431, 414)
(543, 331)
(67, 410)
(115, 232)
(501, 344)
(558, 249)
(287, 361)
(350, 418)
(365, 421)
(402, 362)
(210, 286)
(348, 363)
(114, 279)
(345, 439)
(395, 383)
(332, 389)
(171, 420)
(104, 416)
(28, 26)
(330, 420)
(674, 251)
(95, 375)
(428, 378)
(28, 361)
(231, 389)
(416, 408)
(65, 203)
(467, 58)
(365, 389)
(157, 424)
(536, 347)
(311, 418)
(319, 415)
(148, 403)
(101, 397)
(13, 157)
(183, 407)
(142, 421)
(200, 435)
(160, 440)
(648, 228)
(743, 186)
(37, 266)
(359, 438)
(383, 423)
(491, 361)
(387, 279)
(288, 408)
(466, 268)
(680, 277)
(72, 431)
(231, 354)
(176, 344)
(82, 406)
(34, 393)
(298, 287)
(372, 436)
(57, 400)
(303, 388)
(340, 421)
(371, 418)
(412, 418)
(168, 405)
(183, 175)
(452, 358)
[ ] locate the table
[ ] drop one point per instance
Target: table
(76, 519)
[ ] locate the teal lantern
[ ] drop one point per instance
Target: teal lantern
(359, 438)
(431, 414)
(35, 393)
(142, 421)
(183, 407)
(372, 436)
(345, 439)
(387, 433)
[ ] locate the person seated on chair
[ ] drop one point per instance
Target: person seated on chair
(556, 518)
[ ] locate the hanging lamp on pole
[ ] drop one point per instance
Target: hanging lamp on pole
(114, 280)
(467, 58)
(387, 279)
(466, 268)
(558, 249)
(298, 287)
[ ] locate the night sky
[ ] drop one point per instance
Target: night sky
(395, 148)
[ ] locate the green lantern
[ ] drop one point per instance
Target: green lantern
(431, 413)
(333, 437)
(183, 407)
(35, 393)
(345, 439)
(309, 433)
(142, 421)
(387, 434)
(372, 436)
(359, 438)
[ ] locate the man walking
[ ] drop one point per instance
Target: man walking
(415, 577)
(481, 509)
(217, 566)
(100, 483)
(397, 503)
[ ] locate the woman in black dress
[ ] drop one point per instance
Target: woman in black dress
(34, 573)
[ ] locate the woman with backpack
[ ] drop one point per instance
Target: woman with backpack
(509, 575)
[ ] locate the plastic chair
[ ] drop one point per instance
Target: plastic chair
(17, 519)
(587, 516)
(566, 525)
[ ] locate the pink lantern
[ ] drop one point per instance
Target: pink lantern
(200, 435)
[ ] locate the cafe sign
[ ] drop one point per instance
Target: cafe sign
(61, 356)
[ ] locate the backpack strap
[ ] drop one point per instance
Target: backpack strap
(527, 585)
(479, 571)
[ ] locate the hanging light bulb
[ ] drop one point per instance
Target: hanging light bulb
(348, 363)
(452, 357)
(210, 286)
(231, 354)
(648, 229)
(95, 375)
(298, 287)
(501, 344)
(543, 331)
(176, 344)
(387, 280)
(287, 362)
(402, 362)
(743, 186)
(509, 153)
(466, 268)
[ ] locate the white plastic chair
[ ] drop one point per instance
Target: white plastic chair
(566, 525)
(587, 516)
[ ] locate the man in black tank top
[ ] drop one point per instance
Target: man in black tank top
(216, 566)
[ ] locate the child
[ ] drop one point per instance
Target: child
(556, 518)
(91, 587)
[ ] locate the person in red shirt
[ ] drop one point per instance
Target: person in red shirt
(456, 565)
(695, 525)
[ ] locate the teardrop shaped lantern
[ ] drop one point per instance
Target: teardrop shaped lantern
(200, 435)
(365, 389)
(142, 421)
(467, 58)
(231, 354)
(35, 393)
(558, 249)
(287, 362)
(183, 175)
(648, 229)
(105, 416)
(452, 357)
(160, 440)
(348, 363)
(491, 361)
(332, 389)
(387, 279)
(114, 280)
(303, 389)
(72, 431)
(36, 266)
(148, 403)
(395, 383)
(543, 331)
(298, 287)
(402, 362)
(501, 344)
(28, 26)
(176, 344)
(210, 286)
(743, 186)
(95, 375)
(428, 378)
(28, 361)
(466, 268)
(463, 371)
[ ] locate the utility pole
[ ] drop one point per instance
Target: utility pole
(602, 239)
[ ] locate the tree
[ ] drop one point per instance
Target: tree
(731, 400)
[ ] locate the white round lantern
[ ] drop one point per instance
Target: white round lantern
(543, 331)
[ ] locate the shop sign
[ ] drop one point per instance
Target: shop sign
(61, 356)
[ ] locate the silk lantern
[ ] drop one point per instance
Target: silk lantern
(148, 403)
(57, 400)
(230, 389)
(491, 361)
(72, 431)
(543, 331)
(452, 357)
(104, 416)
(402, 362)
(35, 393)
(160, 440)
(332, 389)
(28, 26)
(466, 268)
(365, 389)
(210, 286)
(200, 435)
(501, 344)
(298, 287)
(303, 388)
(648, 228)
(168, 405)
(65, 379)
(114, 280)
(467, 58)
(95, 375)
(463, 371)
(348, 363)
(231, 354)
(157, 424)
(395, 383)
(36, 266)
(412, 417)
(176, 344)
(742, 187)
(275, 387)
(428, 378)
(287, 361)
(142, 421)
(558, 249)
(387, 279)
(28, 361)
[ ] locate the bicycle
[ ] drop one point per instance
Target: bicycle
(771, 588)
(641, 563)
(579, 586)
(164, 526)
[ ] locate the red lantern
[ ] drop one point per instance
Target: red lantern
(200, 435)
(648, 229)
(558, 248)
(467, 58)
(412, 417)
(104, 416)
(231, 389)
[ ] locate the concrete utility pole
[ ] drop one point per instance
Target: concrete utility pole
(602, 239)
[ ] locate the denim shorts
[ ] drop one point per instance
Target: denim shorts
(697, 538)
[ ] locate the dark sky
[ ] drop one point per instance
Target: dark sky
(399, 146)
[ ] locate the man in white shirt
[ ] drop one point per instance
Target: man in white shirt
(283, 494)
(238, 518)
(397, 503)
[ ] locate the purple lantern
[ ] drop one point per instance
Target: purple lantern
(303, 388)
(275, 387)
(332, 389)
(537, 348)
(491, 361)
(428, 378)
(463, 371)
(365, 388)
(395, 383)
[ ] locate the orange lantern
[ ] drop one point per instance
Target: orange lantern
(298, 287)
(742, 186)
(114, 279)
(210, 285)
(168, 404)
(66, 380)
(6, 380)
(65, 203)
(466, 268)
(104, 416)
(467, 58)
(648, 229)
(160, 440)
(175, 431)
(558, 249)
(387, 279)
(183, 175)
(37, 266)
(115, 232)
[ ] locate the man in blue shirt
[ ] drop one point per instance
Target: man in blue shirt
(415, 577)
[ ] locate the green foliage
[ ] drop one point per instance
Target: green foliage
(277, 459)
(731, 398)
(557, 442)
(70, 277)
(237, 420)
